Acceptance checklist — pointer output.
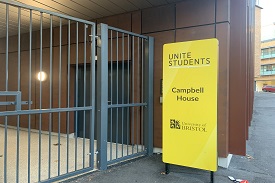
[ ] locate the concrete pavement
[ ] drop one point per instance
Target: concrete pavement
(257, 167)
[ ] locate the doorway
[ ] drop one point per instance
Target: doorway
(118, 80)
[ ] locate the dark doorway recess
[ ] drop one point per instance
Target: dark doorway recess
(118, 93)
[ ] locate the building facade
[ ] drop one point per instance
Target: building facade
(257, 63)
(232, 22)
(266, 65)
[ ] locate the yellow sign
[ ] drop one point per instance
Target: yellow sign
(190, 72)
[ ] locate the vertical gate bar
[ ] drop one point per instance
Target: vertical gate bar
(7, 79)
(50, 114)
(117, 94)
(148, 95)
(84, 92)
(30, 98)
(18, 89)
(7, 46)
(40, 95)
(122, 102)
(142, 91)
(133, 94)
(59, 89)
(102, 96)
(76, 95)
(92, 99)
(111, 115)
(138, 86)
(68, 90)
(128, 92)
(50, 102)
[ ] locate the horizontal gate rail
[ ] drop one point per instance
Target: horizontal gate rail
(43, 111)
(46, 11)
(17, 95)
(127, 105)
(71, 174)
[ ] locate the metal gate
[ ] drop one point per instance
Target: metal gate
(124, 119)
(46, 132)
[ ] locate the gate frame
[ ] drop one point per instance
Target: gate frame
(17, 112)
(102, 94)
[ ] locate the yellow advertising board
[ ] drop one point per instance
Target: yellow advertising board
(190, 75)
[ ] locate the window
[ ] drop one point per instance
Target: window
(268, 53)
(268, 69)
(265, 51)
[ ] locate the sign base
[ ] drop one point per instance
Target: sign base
(167, 171)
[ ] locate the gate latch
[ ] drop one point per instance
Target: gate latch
(17, 101)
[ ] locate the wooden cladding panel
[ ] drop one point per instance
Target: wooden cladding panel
(158, 19)
(238, 79)
(195, 33)
(136, 22)
(122, 21)
(223, 88)
(160, 39)
(223, 11)
(194, 13)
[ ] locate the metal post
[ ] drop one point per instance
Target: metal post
(92, 98)
(40, 97)
(138, 96)
(111, 100)
(212, 177)
(76, 96)
(7, 81)
(84, 93)
(128, 93)
(122, 96)
(50, 98)
(117, 113)
(68, 92)
(167, 168)
(18, 89)
(30, 98)
(148, 94)
(59, 92)
(133, 93)
(102, 96)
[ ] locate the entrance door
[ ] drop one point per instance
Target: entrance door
(117, 117)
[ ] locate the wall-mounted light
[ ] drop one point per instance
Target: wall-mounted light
(42, 76)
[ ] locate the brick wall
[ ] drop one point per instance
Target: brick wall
(257, 41)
